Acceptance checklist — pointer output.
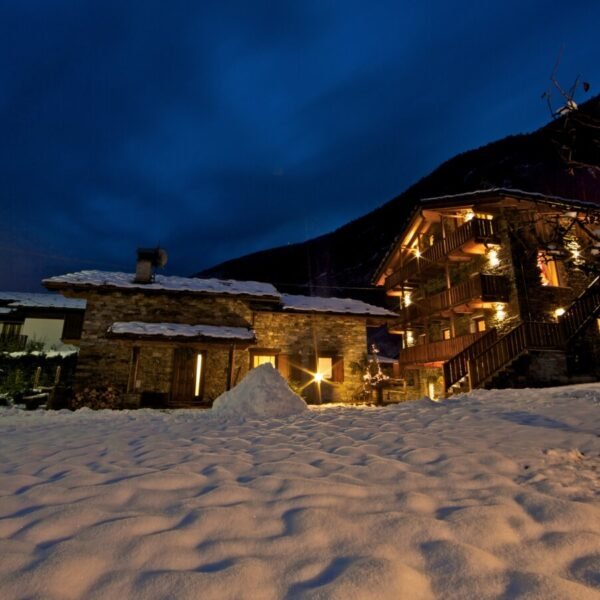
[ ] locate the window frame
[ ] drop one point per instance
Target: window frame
(256, 352)
(337, 366)
(549, 271)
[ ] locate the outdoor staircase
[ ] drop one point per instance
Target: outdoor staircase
(583, 310)
(485, 358)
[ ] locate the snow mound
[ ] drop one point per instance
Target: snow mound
(262, 393)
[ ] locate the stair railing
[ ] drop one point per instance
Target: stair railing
(581, 311)
(457, 367)
(528, 335)
(489, 354)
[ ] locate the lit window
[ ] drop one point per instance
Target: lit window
(479, 324)
(445, 334)
(262, 359)
(548, 270)
(198, 379)
(325, 367)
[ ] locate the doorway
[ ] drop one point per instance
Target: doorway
(189, 367)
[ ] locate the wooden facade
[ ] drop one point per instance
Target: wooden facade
(489, 280)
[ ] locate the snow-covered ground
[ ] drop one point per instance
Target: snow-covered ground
(494, 495)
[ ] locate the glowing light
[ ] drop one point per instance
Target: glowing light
(410, 338)
(559, 312)
(407, 299)
(573, 246)
(469, 215)
(500, 312)
(318, 377)
(198, 374)
(417, 253)
(493, 258)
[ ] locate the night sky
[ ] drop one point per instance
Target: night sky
(219, 128)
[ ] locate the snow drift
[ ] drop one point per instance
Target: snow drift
(490, 495)
(262, 393)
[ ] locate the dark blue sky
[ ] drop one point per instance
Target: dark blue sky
(221, 128)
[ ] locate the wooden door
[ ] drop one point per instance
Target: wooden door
(188, 376)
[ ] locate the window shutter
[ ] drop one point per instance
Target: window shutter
(283, 365)
(338, 369)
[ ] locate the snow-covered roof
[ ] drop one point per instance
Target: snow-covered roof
(511, 192)
(90, 279)
(34, 300)
(178, 330)
(47, 353)
(474, 195)
(344, 306)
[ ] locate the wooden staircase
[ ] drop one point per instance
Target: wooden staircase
(490, 354)
(583, 310)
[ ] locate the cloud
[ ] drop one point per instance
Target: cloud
(218, 129)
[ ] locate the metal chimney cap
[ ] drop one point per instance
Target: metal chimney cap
(156, 256)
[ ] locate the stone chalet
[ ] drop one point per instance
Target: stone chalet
(496, 288)
(177, 341)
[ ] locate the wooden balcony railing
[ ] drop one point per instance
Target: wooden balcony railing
(437, 351)
(526, 336)
(585, 308)
(477, 230)
(484, 288)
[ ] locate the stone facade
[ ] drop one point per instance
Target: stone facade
(296, 338)
(305, 336)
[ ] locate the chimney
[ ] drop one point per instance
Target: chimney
(147, 260)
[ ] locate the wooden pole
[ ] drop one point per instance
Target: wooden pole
(36, 378)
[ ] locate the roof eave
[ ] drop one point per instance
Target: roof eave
(87, 287)
(141, 337)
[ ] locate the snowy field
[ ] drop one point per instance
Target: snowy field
(492, 495)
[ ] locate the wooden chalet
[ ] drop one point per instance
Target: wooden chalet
(496, 287)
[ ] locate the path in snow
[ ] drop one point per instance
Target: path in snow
(491, 496)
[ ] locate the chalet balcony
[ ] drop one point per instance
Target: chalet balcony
(480, 291)
(470, 238)
(437, 351)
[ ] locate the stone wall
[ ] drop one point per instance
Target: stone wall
(304, 336)
(106, 361)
